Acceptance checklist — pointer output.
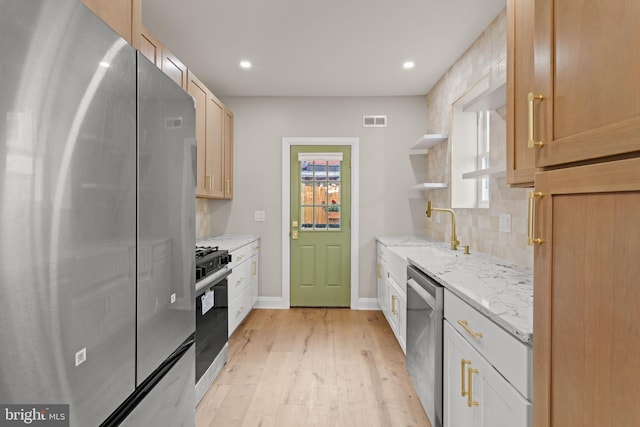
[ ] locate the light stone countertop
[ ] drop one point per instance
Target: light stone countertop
(229, 242)
(500, 290)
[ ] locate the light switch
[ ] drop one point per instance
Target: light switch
(258, 216)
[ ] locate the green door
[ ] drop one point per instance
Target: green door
(320, 229)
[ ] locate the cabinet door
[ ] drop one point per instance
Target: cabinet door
(174, 68)
(586, 317)
(475, 392)
(382, 286)
(199, 92)
(150, 47)
(255, 264)
(115, 13)
(586, 67)
(520, 36)
(228, 154)
(215, 146)
(457, 356)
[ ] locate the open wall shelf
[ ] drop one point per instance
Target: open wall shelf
(427, 141)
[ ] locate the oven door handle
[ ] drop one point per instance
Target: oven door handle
(208, 282)
(426, 296)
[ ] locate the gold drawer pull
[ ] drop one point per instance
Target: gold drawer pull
(228, 186)
(532, 143)
(463, 363)
(533, 195)
(470, 401)
(465, 326)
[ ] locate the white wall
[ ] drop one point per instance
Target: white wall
(386, 171)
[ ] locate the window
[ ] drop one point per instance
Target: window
(484, 139)
(320, 194)
(470, 143)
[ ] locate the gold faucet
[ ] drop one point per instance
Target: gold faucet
(454, 239)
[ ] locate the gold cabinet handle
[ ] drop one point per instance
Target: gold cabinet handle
(532, 142)
(393, 304)
(463, 363)
(533, 195)
(470, 401)
(465, 326)
(378, 271)
(209, 183)
(227, 184)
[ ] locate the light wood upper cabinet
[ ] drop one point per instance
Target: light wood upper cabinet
(215, 146)
(587, 69)
(586, 296)
(174, 68)
(150, 47)
(118, 14)
(214, 142)
(520, 81)
(228, 154)
(199, 92)
(157, 53)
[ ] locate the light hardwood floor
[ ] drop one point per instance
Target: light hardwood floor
(312, 367)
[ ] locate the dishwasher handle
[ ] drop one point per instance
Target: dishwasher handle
(427, 288)
(426, 296)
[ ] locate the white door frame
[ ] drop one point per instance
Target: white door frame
(287, 142)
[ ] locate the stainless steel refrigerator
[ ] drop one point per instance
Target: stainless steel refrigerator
(97, 223)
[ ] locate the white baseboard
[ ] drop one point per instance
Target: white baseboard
(271, 302)
(367, 304)
(278, 303)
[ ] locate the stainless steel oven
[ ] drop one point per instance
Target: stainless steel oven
(212, 317)
(425, 306)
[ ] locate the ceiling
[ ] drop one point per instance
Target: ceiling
(318, 48)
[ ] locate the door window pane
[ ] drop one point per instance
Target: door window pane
(320, 194)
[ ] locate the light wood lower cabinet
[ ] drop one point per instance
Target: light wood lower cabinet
(475, 394)
(587, 295)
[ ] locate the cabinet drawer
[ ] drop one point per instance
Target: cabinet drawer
(239, 279)
(240, 255)
(497, 403)
(398, 269)
(383, 251)
(239, 308)
(510, 356)
(254, 247)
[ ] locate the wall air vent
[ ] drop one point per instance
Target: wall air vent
(173, 122)
(374, 121)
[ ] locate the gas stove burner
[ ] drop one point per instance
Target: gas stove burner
(202, 251)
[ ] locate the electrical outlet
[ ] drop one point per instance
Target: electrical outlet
(505, 223)
(81, 356)
(258, 216)
(173, 298)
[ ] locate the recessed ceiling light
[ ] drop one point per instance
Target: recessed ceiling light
(408, 64)
(104, 64)
(245, 64)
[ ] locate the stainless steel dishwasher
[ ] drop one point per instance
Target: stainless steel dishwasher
(425, 305)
